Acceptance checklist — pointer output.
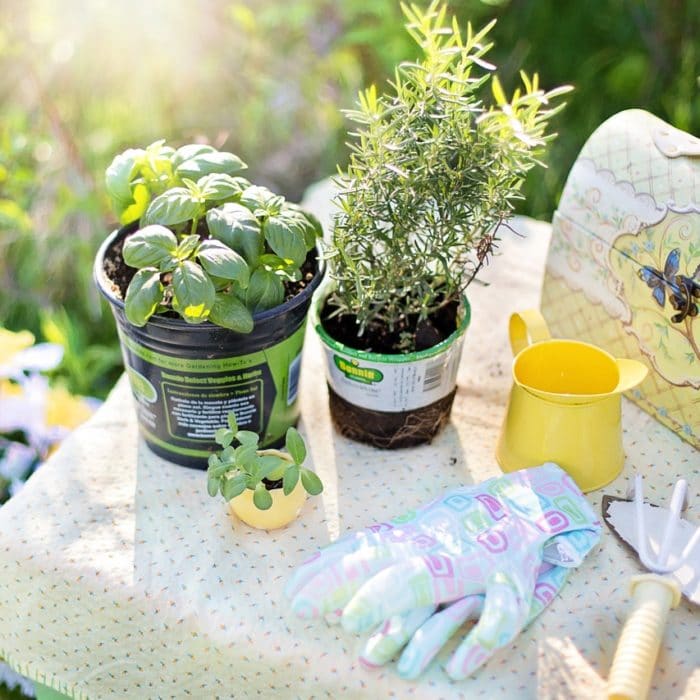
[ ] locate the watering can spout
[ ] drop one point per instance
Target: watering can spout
(632, 373)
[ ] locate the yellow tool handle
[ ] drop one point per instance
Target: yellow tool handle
(633, 665)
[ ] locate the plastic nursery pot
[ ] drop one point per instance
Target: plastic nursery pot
(186, 378)
(283, 510)
(391, 400)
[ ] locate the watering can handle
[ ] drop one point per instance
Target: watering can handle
(525, 328)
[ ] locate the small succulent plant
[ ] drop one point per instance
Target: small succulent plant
(243, 466)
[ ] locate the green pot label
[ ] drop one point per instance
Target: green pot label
(356, 372)
(393, 385)
(181, 402)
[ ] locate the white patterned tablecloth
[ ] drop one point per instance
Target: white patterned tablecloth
(121, 578)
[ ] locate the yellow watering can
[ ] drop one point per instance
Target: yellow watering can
(565, 404)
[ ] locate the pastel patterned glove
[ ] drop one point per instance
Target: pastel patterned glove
(498, 551)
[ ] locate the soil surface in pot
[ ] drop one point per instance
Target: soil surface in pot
(120, 274)
(379, 338)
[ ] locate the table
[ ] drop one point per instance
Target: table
(121, 578)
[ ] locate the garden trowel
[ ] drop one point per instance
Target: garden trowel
(668, 547)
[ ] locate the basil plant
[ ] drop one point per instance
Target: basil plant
(210, 245)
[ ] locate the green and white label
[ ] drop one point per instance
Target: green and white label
(182, 401)
(353, 370)
(399, 384)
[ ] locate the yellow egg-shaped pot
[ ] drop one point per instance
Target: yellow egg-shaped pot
(283, 510)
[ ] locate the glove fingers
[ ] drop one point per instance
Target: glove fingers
(549, 583)
(392, 636)
(504, 615)
(433, 635)
(332, 587)
(411, 583)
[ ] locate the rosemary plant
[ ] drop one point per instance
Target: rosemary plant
(434, 171)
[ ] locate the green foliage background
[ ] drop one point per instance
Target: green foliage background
(80, 81)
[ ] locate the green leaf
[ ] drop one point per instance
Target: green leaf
(262, 498)
(191, 150)
(187, 246)
(246, 456)
(234, 487)
(173, 207)
(271, 467)
(207, 162)
(232, 423)
(119, 175)
(247, 437)
(149, 247)
(218, 186)
(193, 292)
(308, 223)
(238, 228)
(290, 479)
(294, 443)
(212, 486)
(224, 437)
(219, 470)
(220, 260)
(311, 482)
(256, 197)
(265, 291)
(144, 294)
(141, 198)
(285, 239)
(228, 311)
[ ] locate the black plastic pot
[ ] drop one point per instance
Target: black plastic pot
(186, 378)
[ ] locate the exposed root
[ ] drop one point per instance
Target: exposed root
(390, 431)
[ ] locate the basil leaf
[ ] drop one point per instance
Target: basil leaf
(135, 210)
(119, 174)
(187, 246)
(256, 197)
(149, 247)
(238, 228)
(308, 223)
(230, 312)
(218, 259)
(265, 291)
(311, 482)
(173, 207)
(144, 294)
(191, 150)
(193, 292)
(295, 446)
(207, 162)
(218, 186)
(261, 497)
(232, 422)
(285, 240)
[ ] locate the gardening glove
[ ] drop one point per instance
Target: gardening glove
(424, 631)
(485, 543)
